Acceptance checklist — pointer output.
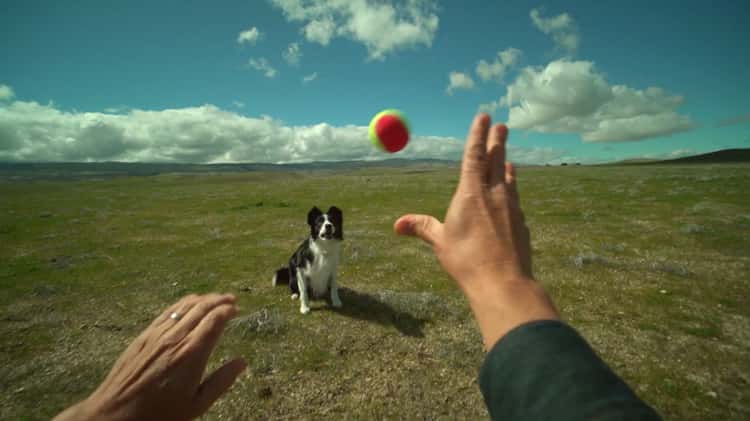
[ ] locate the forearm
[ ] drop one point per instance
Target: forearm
(546, 370)
(501, 305)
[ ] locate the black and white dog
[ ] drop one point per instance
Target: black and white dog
(312, 267)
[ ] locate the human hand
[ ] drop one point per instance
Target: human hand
(484, 232)
(484, 244)
(158, 377)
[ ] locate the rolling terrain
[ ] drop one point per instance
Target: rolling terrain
(649, 263)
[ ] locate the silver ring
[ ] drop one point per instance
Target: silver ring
(175, 316)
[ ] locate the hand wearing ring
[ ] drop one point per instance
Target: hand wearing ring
(161, 373)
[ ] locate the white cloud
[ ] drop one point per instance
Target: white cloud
(533, 156)
(309, 78)
(458, 80)
(292, 54)
(262, 65)
(496, 69)
(572, 97)
(489, 107)
(238, 104)
(381, 26)
(6, 92)
(115, 110)
(562, 28)
(679, 153)
(249, 36)
(33, 132)
(320, 31)
(675, 154)
(561, 89)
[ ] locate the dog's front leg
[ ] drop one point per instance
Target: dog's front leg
(335, 300)
(304, 302)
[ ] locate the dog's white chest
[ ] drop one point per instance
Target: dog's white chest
(322, 269)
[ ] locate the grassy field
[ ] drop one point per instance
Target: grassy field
(651, 264)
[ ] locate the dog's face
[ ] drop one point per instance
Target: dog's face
(326, 226)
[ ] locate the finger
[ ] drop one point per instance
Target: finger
(474, 163)
(165, 322)
(201, 341)
(217, 384)
(425, 227)
(183, 303)
(496, 153)
(510, 174)
(152, 333)
(198, 311)
(510, 181)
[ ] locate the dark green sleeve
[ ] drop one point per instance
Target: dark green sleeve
(546, 370)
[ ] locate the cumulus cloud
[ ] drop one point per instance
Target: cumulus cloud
(292, 54)
(458, 80)
(34, 132)
(381, 26)
(489, 107)
(262, 65)
(496, 69)
(6, 93)
(679, 153)
(115, 110)
(675, 154)
(561, 28)
(562, 88)
(320, 30)
(533, 156)
(309, 78)
(249, 36)
(572, 97)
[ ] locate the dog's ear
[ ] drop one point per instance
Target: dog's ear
(313, 215)
(338, 219)
(335, 213)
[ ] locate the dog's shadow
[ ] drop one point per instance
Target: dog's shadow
(360, 305)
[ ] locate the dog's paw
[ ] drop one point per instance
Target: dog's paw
(304, 309)
(295, 296)
(336, 303)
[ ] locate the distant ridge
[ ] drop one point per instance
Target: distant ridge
(21, 171)
(635, 161)
(718, 157)
(724, 156)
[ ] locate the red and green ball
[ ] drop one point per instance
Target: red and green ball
(389, 130)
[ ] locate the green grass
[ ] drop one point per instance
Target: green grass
(650, 263)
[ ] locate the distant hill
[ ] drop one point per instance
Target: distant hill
(724, 156)
(635, 161)
(718, 157)
(17, 171)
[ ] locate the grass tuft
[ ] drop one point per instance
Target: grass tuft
(261, 322)
(589, 258)
(670, 268)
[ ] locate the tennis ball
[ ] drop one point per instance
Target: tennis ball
(389, 131)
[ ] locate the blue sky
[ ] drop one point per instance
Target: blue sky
(584, 81)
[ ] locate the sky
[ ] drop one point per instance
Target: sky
(299, 80)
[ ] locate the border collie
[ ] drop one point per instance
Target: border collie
(312, 267)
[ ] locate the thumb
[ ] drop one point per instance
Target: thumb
(217, 383)
(425, 227)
